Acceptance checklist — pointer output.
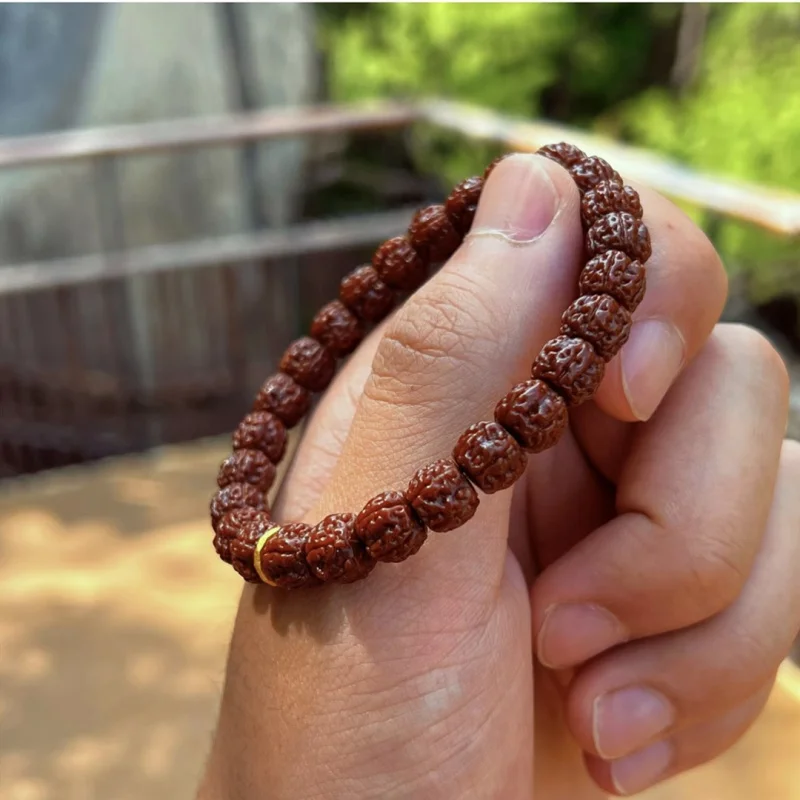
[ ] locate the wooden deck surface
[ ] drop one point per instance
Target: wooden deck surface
(114, 623)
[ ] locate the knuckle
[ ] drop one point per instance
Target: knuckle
(439, 336)
(753, 351)
(718, 568)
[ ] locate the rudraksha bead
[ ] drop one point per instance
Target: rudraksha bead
(233, 496)
(335, 553)
(534, 414)
(599, 319)
(399, 265)
(441, 495)
(337, 328)
(432, 234)
(243, 546)
(309, 363)
(389, 528)
(282, 396)
(366, 295)
(489, 456)
(488, 171)
(619, 231)
(614, 273)
(229, 526)
(263, 431)
(247, 466)
(572, 367)
(462, 203)
(283, 558)
(606, 198)
(562, 153)
(592, 171)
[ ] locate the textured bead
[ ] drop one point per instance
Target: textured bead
(283, 558)
(233, 496)
(599, 319)
(283, 397)
(309, 363)
(399, 265)
(243, 546)
(619, 231)
(591, 171)
(562, 153)
(534, 414)
(441, 495)
(490, 456)
(614, 273)
(335, 553)
(432, 234)
(488, 171)
(337, 328)
(366, 295)
(262, 431)
(247, 466)
(606, 198)
(389, 528)
(572, 367)
(229, 527)
(462, 203)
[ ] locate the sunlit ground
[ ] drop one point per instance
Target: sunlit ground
(114, 622)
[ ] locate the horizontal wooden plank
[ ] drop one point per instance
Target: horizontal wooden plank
(179, 134)
(302, 239)
(773, 209)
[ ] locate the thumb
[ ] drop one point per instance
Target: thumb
(453, 350)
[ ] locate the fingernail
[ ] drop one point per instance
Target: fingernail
(519, 202)
(641, 770)
(572, 633)
(651, 360)
(626, 720)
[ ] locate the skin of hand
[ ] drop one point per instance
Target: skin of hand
(615, 619)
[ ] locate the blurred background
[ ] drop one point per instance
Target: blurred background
(182, 186)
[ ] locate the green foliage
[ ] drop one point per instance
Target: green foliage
(742, 119)
(602, 66)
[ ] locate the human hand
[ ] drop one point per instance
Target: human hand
(650, 567)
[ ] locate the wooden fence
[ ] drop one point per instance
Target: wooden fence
(82, 376)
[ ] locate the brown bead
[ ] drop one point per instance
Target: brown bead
(572, 367)
(592, 171)
(562, 153)
(432, 234)
(262, 431)
(247, 466)
(335, 553)
(282, 396)
(614, 273)
(283, 558)
(337, 328)
(534, 414)
(366, 295)
(309, 363)
(607, 198)
(243, 546)
(619, 231)
(599, 319)
(488, 171)
(399, 265)
(441, 495)
(233, 496)
(389, 528)
(462, 203)
(228, 528)
(490, 456)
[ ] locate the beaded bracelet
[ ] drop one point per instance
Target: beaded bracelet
(489, 456)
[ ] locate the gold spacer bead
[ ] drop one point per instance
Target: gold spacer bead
(262, 540)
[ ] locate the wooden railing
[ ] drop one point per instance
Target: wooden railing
(56, 410)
